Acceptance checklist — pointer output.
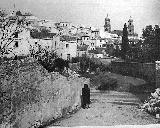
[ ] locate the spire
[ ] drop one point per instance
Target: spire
(14, 6)
(130, 17)
(107, 18)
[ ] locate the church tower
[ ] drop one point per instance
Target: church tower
(107, 25)
(130, 26)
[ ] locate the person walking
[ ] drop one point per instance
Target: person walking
(85, 96)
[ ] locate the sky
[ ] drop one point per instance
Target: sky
(92, 12)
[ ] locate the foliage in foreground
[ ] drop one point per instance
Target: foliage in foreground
(152, 104)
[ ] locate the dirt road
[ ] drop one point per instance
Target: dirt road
(109, 108)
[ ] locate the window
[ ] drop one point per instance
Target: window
(16, 44)
(16, 34)
(67, 45)
(130, 23)
(61, 55)
(55, 44)
(68, 56)
(35, 42)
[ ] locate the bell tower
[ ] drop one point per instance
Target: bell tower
(130, 26)
(107, 25)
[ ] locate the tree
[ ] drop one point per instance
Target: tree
(125, 45)
(39, 35)
(8, 32)
(151, 45)
(157, 43)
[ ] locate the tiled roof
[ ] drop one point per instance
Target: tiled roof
(95, 31)
(67, 38)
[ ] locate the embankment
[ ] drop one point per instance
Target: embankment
(30, 95)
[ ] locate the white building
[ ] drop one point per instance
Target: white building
(67, 47)
(65, 24)
(100, 42)
(20, 45)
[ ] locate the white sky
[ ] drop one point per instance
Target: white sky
(92, 12)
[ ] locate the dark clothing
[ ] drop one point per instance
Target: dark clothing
(85, 96)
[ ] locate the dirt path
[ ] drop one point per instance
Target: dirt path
(109, 108)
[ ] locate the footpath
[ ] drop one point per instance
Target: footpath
(109, 108)
(112, 109)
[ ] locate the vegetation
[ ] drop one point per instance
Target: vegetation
(125, 45)
(151, 45)
(9, 31)
(146, 50)
(89, 64)
(43, 33)
(103, 82)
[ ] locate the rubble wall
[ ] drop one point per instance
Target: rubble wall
(30, 95)
(146, 71)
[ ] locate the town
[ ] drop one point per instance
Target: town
(61, 73)
(64, 38)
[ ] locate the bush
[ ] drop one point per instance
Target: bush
(103, 82)
(108, 84)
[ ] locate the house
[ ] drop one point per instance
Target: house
(95, 54)
(100, 42)
(50, 43)
(65, 24)
(21, 43)
(92, 44)
(48, 24)
(85, 39)
(82, 50)
(95, 34)
(67, 47)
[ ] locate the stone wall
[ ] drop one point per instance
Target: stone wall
(146, 71)
(30, 95)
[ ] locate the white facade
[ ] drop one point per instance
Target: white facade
(51, 44)
(21, 45)
(67, 49)
(65, 24)
(100, 43)
(92, 45)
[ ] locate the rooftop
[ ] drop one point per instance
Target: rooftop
(67, 38)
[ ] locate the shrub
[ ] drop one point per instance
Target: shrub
(107, 84)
